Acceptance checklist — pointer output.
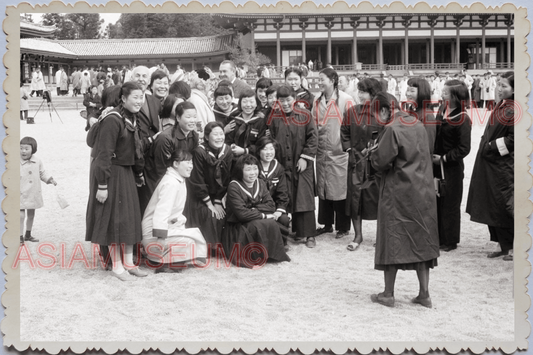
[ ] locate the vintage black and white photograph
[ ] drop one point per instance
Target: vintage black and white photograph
(336, 175)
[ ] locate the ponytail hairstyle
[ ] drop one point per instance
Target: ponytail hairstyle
(333, 76)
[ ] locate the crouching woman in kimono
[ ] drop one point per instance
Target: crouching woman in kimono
(165, 238)
(251, 235)
(407, 235)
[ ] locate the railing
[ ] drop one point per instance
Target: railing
(504, 65)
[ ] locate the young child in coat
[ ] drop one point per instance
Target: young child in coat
(31, 197)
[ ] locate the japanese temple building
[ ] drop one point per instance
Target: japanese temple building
(380, 41)
(370, 42)
(36, 48)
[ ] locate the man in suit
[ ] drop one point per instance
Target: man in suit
(228, 71)
(149, 129)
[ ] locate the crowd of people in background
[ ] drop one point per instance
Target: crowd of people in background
(212, 164)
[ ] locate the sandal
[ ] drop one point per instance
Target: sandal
(353, 246)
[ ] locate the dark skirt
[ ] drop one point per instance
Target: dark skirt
(449, 206)
(118, 219)
(420, 265)
(200, 216)
(245, 241)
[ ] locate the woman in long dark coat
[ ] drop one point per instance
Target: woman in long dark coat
(357, 132)
(251, 234)
(491, 194)
(296, 133)
(208, 184)
(407, 235)
(113, 211)
(451, 147)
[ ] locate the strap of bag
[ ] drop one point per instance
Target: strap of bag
(442, 169)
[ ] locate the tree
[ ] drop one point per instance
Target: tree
(70, 26)
(64, 27)
(26, 17)
(240, 54)
(87, 26)
(157, 25)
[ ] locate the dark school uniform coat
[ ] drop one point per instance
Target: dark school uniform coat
(209, 181)
(276, 183)
(165, 144)
(246, 222)
(407, 213)
(223, 117)
(297, 138)
(305, 95)
(149, 125)
(118, 219)
(453, 143)
(356, 132)
(247, 133)
(491, 194)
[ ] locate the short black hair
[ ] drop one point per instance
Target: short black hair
(181, 88)
(222, 90)
(285, 91)
(179, 155)
(370, 85)
(31, 142)
(246, 159)
(158, 74)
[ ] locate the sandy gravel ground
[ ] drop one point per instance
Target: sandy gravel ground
(323, 294)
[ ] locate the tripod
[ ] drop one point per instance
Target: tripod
(48, 99)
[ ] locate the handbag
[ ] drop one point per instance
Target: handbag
(83, 114)
(440, 183)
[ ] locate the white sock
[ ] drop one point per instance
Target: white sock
(128, 257)
(117, 262)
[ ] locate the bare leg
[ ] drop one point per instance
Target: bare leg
(128, 257)
(357, 222)
(390, 279)
(29, 221)
(22, 218)
(423, 279)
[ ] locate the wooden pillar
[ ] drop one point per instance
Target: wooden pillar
(477, 53)
(329, 25)
(354, 24)
(303, 25)
(452, 50)
(458, 21)
(484, 22)
(278, 25)
(380, 23)
(402, 52)
(406, 23)
(509, 23)
(432, 22)
(428, 56)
